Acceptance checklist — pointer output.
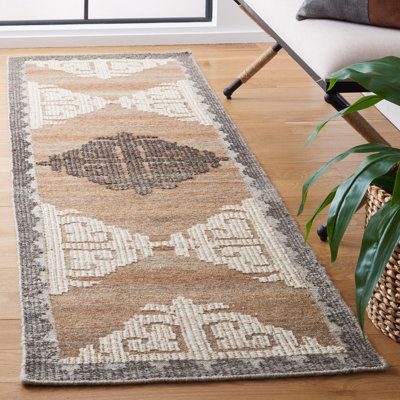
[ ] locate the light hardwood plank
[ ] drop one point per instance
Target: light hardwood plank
(275, 112)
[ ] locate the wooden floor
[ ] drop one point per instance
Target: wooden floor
(275, 112)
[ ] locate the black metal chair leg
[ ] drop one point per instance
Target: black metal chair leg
(251, 70)
(322, 232)
(356, 120)
(228, 91)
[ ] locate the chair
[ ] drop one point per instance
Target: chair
(320, 47)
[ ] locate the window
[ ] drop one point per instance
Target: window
(44, 12)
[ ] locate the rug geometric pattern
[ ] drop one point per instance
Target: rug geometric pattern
(152, 246)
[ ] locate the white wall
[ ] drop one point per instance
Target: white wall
(391, 111)
(229, 25)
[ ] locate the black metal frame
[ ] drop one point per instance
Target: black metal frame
(228, 91)
(332, 96)
(86, 20)
(340, 87)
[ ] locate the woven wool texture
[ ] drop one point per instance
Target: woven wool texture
(152, 246)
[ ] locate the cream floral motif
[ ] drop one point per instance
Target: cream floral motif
(80, 249)
(241, 238)
(176, 100)
(51, 105)
(100, 68)
(187, 331)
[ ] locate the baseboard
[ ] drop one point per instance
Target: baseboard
(391, 112)
(125, 37)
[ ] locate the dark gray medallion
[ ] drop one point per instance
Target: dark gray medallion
(141, 163)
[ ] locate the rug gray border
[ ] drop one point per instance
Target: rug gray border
(39, 340)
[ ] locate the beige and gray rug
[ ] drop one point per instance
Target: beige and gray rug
(152, 247)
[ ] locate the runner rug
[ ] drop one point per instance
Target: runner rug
(152, 246)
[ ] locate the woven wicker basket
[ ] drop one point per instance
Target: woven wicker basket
(384, 306)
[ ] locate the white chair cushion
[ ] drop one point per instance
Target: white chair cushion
(326, 45)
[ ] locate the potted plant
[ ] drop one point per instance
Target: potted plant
(377, 274)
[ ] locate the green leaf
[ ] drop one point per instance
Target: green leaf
(360, 104)
(385, 181)
(381, 77)
(381, 66)
(382, 86)
(364, 148)
(324, 204)
(332, 83)
(351, 192)
(381, 237)
(396, 189)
